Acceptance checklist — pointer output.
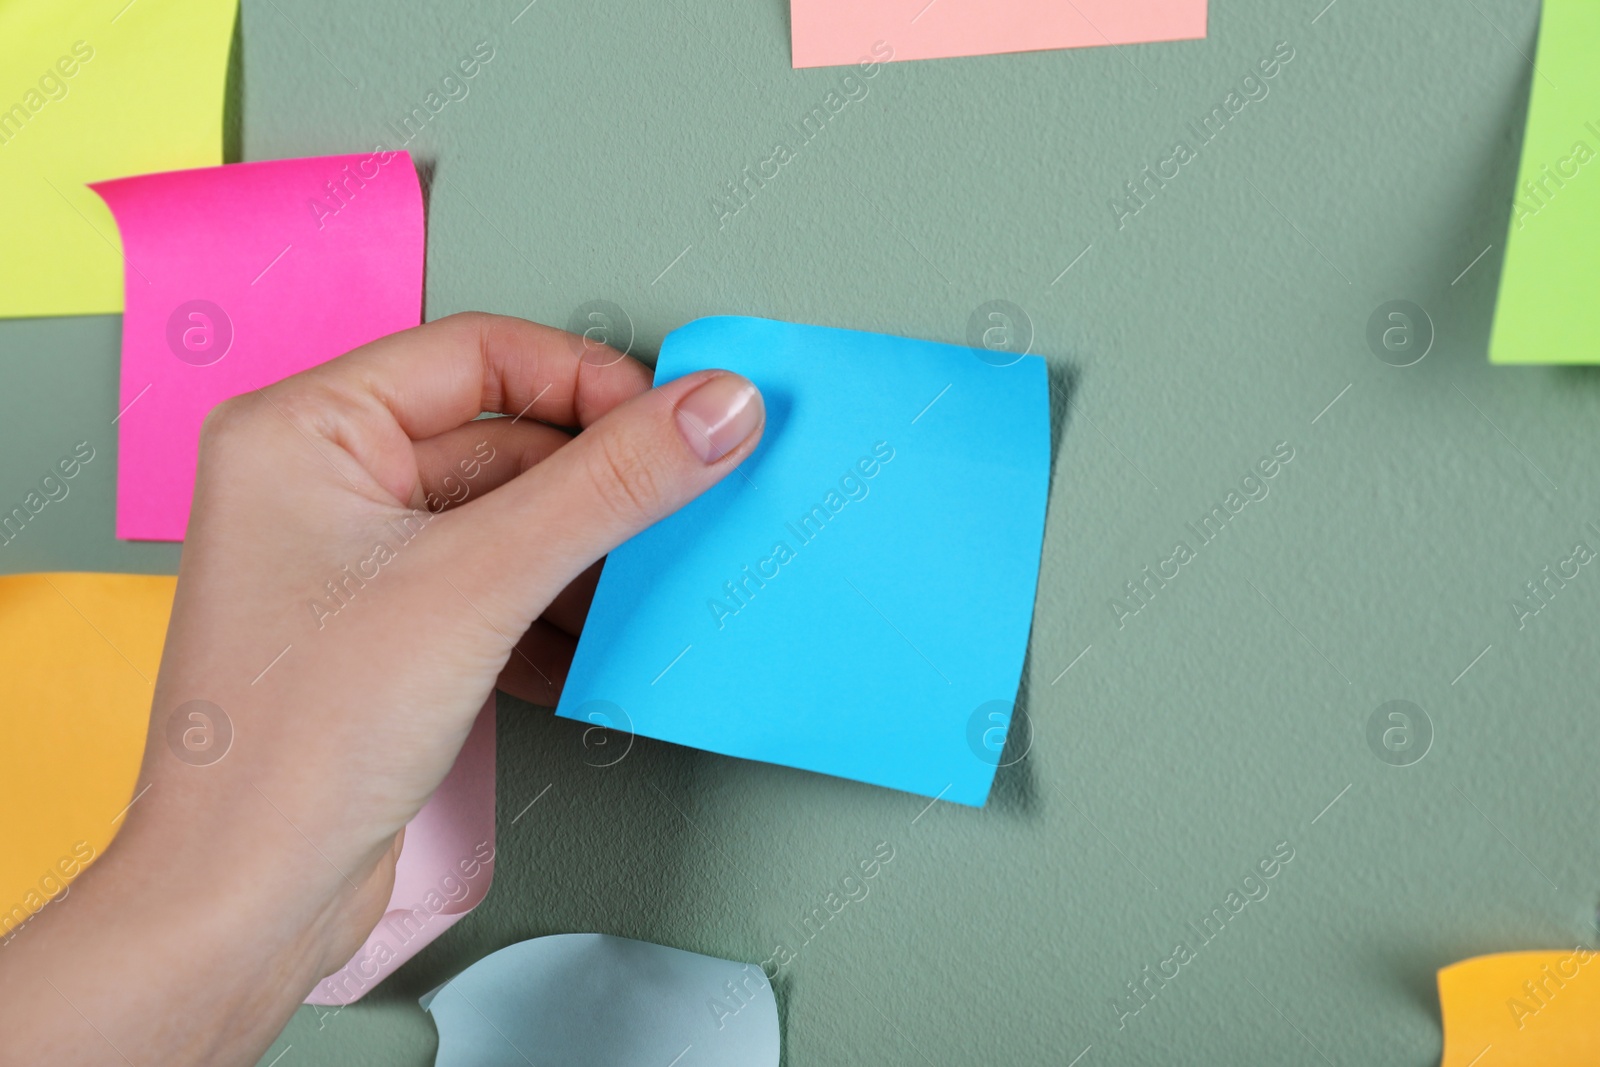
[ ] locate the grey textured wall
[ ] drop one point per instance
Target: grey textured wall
(1187, 740)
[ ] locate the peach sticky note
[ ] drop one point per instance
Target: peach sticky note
(237, 277)
(78, 659)
(836, 32)
(444, 871)
(1522, 1009)
(89, 90)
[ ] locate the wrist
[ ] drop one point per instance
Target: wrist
(197, 910)
(264, 891)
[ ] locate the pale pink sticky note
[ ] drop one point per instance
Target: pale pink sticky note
(444, 870)
(830, 33)
(238, 276)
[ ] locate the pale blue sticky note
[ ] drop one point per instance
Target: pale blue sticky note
(592, 1000)
(855, 599)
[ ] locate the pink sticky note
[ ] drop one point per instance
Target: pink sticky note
(836, 32)
(444, 870)
(236, 277)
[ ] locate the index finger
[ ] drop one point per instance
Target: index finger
(445, 373)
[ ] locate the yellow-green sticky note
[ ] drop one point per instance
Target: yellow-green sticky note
(1547, 312)
(88, 91)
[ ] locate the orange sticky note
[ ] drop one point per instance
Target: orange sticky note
(78, 660)
(829, 33)
(1522, 1009)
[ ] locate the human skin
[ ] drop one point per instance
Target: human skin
(233, 888)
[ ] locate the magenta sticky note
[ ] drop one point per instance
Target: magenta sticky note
(446, 865)
(830, 33)
(236, 277)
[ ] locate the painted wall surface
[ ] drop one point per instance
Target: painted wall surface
(1175, 747)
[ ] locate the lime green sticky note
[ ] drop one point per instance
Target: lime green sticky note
(1547, 312)
(90, 90)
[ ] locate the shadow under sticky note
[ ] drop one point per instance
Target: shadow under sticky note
(1546, 311)
(1522, 1009)
(446, 865)
(839, 32)
(238, 277)
(856, 598)
(78, 659)
(90, 91)
(592, 1000)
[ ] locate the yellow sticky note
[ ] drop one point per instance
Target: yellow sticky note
(1546, 311)
(1522, 1009)
(78, 659)
(90, 90)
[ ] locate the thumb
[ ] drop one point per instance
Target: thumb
(637, 464)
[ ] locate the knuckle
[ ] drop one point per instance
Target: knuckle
(469, 327)
(471, 321)
(304, 407)
(227, 422)
(243, 425)
(625, 481)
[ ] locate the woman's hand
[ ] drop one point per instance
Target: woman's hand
(366, 560)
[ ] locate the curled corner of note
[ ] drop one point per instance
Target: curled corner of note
(237, 277)
(576, 1000)
(1522, 1009)
(446, 865)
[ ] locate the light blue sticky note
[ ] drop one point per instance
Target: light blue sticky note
(592, 1000)
(855, 599)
